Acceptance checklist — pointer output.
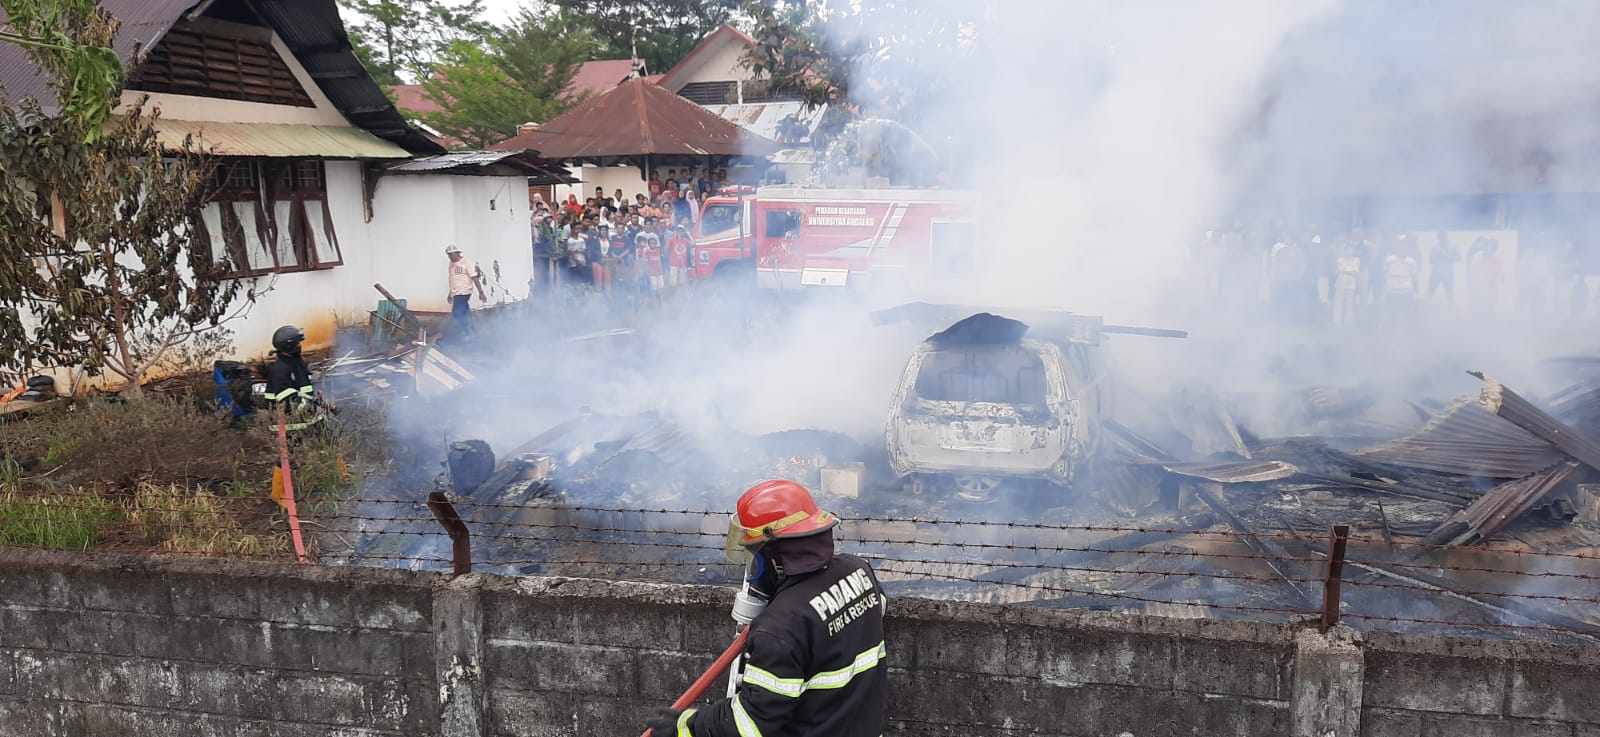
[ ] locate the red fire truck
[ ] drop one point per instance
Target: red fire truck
(793, 237)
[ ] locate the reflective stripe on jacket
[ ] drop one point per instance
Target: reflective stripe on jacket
(814, 665)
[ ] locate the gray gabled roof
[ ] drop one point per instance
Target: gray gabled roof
(311, 29)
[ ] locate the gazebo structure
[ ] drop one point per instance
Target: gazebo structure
(639, 124)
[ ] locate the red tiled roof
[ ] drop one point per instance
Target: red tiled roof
(597, 77)
(593, 78)
(674, 76)
(638, 117)
(409, 98)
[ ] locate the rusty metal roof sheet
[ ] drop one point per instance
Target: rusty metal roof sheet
(1467, 440)
(312, 29)
(277, 140)
(1486, 516)
(637, 118)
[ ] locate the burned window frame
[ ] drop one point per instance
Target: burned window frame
(282, 195)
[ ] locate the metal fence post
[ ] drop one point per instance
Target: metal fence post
(1337, 538)
(460, 537)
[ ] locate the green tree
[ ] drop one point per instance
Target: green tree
(542, 52)
(522, 76)
(97, 229)
(71, 41)
(663, 31)
(400, 38)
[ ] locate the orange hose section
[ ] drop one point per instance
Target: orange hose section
(710, 676)
(288, 487)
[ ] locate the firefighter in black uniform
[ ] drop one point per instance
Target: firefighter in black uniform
(814, 662)
(289, 379)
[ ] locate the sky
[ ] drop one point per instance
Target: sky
(500, 11)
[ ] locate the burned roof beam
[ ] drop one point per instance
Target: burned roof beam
(1511, 407)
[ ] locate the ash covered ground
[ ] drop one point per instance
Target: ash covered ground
(619, 442)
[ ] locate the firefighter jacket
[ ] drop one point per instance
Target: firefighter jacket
(289, 384)
(813, 665)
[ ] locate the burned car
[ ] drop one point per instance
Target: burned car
(985, 404)
(979, 405)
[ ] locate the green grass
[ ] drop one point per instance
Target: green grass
(65, 522)
(171, 475)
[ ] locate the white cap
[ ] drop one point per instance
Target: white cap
(451, 249)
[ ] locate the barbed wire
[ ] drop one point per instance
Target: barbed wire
(330, 523)
(723, 514)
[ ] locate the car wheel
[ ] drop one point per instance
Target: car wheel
(977, 489)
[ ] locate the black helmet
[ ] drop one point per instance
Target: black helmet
(287, 339)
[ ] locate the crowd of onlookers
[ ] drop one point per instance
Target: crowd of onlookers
(627, 246)
(1369, 277)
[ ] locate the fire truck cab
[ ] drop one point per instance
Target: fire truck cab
(795, 237)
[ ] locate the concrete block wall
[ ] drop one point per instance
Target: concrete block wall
(123, 646)
(1417, 686)
(130, 646)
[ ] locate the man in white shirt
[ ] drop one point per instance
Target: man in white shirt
(463, 281)
(1400, 269)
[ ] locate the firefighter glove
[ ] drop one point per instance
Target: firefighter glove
(670, 723)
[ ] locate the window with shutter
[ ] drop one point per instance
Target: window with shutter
(269, 216)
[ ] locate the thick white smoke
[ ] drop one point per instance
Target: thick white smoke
(1107, 136)
(1104, 141)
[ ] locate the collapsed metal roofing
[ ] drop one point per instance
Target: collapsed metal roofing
(311, 29)
(638, 118)
(1467, 439)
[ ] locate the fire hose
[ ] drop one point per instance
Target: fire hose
(705, 680)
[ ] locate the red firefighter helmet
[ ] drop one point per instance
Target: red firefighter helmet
(777, 509)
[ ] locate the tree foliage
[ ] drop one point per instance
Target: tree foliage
(663, 31)
(396, 39)
(894, 60)
(96, 233)
(520, 76)
(70, 40)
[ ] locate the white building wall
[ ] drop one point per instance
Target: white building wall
(626, 178)
(492, 227)
(414, 218)
(724, 64)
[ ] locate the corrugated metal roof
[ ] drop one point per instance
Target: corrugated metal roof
(538, 171)
(597, 77)
(1469, 440)
(312, 29)
(277, 140)
(635, 118)
(452, 160)
(787, 122)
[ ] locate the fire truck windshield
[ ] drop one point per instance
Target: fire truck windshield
(719, 219)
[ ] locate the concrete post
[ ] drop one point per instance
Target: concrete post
(458, 658)
(1328, 673)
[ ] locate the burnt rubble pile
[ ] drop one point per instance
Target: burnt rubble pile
(1482, 513)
